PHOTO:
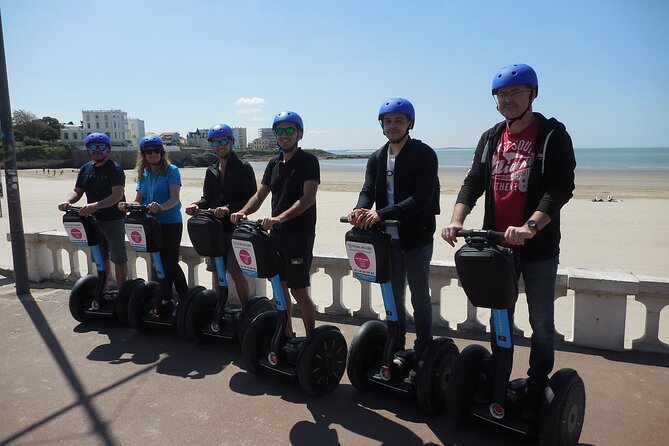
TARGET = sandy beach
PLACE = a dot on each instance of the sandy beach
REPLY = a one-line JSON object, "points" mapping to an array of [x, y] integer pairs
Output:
{"points": [[629, 234]]}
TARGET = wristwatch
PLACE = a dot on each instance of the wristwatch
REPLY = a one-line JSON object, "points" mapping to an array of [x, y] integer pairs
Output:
{"points": [[533, 225]]}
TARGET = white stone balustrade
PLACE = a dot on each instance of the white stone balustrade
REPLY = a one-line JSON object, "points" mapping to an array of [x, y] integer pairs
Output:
{"points": [[600, 309]]}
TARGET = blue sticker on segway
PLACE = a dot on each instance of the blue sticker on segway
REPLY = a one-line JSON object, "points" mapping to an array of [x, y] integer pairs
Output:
{"points": [[364, 277], [500, 320], [277, 291], [97, 257], [221, 271], [389, 301], [158, 265]]}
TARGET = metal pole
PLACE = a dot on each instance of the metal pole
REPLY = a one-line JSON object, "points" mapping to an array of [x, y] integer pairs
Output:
{"points": [[12, 180]]}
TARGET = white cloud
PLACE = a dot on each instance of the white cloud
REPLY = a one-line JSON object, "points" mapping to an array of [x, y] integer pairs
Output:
{"points": [[258, 119], [250, 101], [246, 111]]}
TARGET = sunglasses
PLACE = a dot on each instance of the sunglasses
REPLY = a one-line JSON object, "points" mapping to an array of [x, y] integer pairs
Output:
{"points": [[95, 148], [289, 131], [222, 143], [156, 151]]}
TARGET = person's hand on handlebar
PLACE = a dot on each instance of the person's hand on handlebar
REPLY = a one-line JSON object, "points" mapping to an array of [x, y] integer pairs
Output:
{"points": [[268, 223], [364, 218], [220, 211], [236, 217], [88, 210], [449, 232], [65, 205], [154, 207], [517, 235], [191, 208], [122, 206]]}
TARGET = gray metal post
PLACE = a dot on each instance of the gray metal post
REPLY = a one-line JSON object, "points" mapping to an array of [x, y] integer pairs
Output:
{"points": [[12, 179]]}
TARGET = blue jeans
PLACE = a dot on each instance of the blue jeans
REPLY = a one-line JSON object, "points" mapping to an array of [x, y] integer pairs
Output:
{"points": [[413, 266], [540, 278]]}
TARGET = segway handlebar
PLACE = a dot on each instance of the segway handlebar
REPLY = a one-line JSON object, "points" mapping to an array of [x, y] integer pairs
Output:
{"points": [[256, 223], [73, 208], [211, 212], [136, 208], [383, 223], [492, 236]]}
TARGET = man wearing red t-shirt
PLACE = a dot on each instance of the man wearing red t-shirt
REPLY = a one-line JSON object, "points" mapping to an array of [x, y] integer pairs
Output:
{"points": [[525, 166]]}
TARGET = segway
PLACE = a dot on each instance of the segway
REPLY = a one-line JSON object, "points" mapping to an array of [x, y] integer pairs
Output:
{"points": [[479, 386], [374, 360], [209, 315], [316, 361], [148, 307], [87, 298]]}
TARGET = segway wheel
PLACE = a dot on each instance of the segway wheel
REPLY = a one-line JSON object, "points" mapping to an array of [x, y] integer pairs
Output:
{"points": [[81, 297], [563, 420], [256, 344], [140, 304], [435, 374], [323, 361], [253, 308], [183, 304], [123, 298], [366, 352], [469, 372], [199, 314]]}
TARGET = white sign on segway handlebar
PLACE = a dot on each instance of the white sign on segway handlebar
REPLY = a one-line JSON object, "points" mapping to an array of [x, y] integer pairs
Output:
{"points": [[246, 257], [136, 236], [362, 258], [76, 233]]}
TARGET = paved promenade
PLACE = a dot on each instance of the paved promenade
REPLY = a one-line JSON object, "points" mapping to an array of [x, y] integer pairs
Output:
{"points": [[65, 383]]}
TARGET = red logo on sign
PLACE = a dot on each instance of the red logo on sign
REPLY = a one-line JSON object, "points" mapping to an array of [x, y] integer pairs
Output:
{"points": [[76, 233], [136, 237], [361, 260], [245, 257]]}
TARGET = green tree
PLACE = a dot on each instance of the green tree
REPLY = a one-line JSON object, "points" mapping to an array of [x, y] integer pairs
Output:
{"points": [[21, 119]]}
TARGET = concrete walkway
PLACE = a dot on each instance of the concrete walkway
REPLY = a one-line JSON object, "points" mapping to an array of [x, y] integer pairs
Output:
{"points": [[66, 383]]}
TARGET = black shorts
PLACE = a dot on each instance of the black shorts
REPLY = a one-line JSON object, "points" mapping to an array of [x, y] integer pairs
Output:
{"points": [[295, 257]]}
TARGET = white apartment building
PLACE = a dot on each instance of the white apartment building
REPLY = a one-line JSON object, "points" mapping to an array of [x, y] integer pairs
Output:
{"points": [[260, 144], [137, 132], [72, 134], [240, 137], [268, 134]]}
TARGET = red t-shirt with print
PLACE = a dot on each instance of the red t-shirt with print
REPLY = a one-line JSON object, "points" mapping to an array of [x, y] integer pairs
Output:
{"points": [[511, 166]]}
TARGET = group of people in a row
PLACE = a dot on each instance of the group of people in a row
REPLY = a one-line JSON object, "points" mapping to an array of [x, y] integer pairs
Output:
{"points": [[524, 165]]}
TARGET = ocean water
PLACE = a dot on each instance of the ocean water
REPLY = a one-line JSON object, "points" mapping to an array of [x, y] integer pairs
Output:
{"points": [[605, 159]]}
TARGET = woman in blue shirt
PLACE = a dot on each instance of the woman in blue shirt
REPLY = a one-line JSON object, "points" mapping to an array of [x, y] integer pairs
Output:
{"points": [[158, 187]]}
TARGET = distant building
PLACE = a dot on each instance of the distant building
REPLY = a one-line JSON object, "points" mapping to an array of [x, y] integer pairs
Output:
{"points": [[240, 137], [72, 134], [171, 139], [137, 132], [198, 138], [268, 134], [260, 144]]}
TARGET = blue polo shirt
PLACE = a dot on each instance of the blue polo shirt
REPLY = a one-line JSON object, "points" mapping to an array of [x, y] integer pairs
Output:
{"points": [[156, 187]]}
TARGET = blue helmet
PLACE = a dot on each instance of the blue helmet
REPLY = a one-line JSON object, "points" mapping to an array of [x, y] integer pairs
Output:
{"points": [[288, 116], [149, 141], [98, 138], [398, 105], [220, 131], [516, 74]]}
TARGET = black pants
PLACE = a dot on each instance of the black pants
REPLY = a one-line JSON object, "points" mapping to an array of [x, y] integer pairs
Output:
{"points": [[170, 241]]}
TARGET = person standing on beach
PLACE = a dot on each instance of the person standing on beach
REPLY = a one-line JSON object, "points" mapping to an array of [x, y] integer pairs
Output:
{"points": [[525, 166], [229, 183], [103, 182], [402, 180], [293, 178], [158, 188]]}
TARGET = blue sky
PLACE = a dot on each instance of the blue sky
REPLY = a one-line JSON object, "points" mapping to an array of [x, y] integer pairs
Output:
{"points": [[603, 66]]}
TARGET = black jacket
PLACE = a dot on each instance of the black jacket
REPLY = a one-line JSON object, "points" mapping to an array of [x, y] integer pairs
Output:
{"points": [[416, 191], [237, 187], [551, 183]]}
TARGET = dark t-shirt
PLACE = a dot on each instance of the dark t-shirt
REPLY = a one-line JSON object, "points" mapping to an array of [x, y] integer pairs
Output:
{"points": [[286, 181], [97, 183]]}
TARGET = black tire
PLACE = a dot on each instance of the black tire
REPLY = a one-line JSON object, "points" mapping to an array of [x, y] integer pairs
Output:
{"points": [[253, 308], [140, 303], [81, 297], [563, 420], [257, 341], [123, 299], [435, 374], [366, 352], [199, 314], [323, 361], [183, 304], [468, 372]]}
